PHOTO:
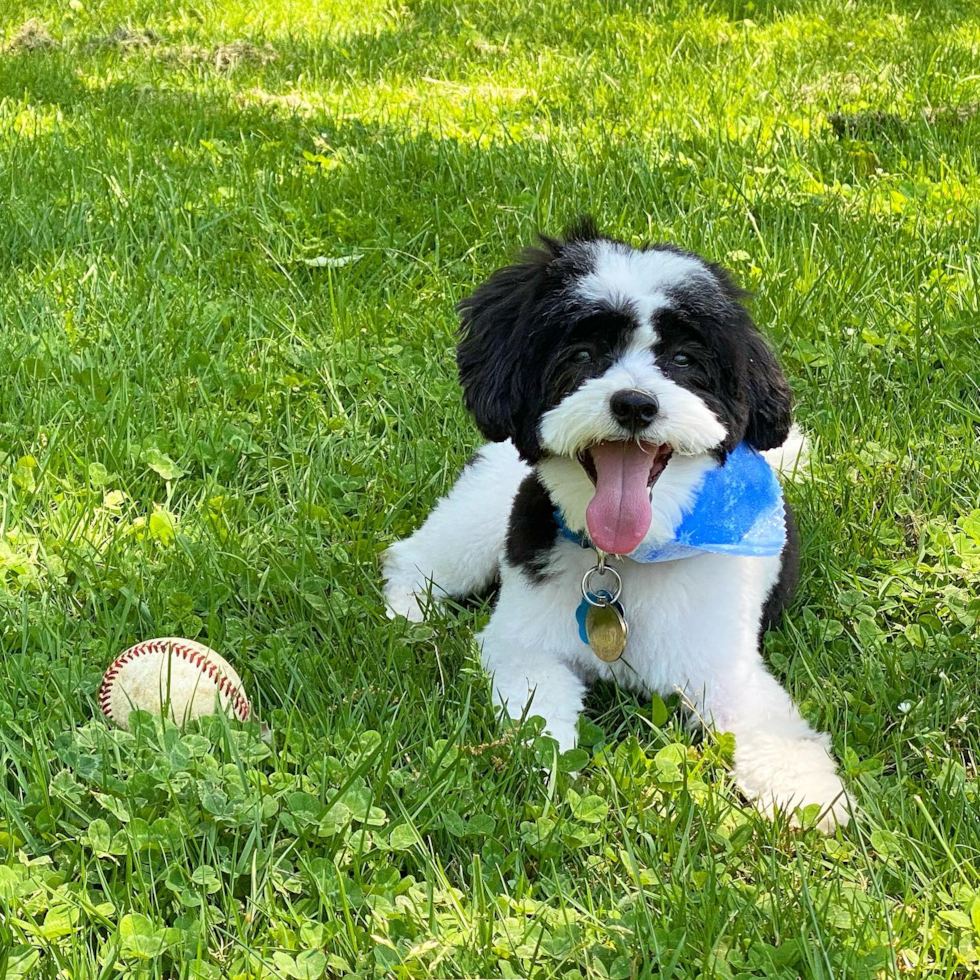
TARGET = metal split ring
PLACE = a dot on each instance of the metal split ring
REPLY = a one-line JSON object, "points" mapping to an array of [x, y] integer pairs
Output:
{"points": [[600, 569]]}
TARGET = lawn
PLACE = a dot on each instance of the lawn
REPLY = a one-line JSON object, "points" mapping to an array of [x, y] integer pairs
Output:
{"points": [[231, 238]]}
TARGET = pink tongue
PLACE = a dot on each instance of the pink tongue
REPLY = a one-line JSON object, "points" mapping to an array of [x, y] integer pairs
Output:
{"points": [[619, 514]]}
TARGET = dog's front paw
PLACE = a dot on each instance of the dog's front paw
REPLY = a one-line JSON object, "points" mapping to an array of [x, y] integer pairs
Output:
{"points": [[407, 593], [564, 732], [399, 602], [825, 791], [790, 775]]}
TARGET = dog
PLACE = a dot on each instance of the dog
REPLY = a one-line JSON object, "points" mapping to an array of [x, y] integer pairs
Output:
{"points": [[632, 409]]}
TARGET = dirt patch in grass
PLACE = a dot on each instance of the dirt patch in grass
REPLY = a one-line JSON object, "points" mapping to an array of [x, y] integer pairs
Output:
{"points": [[126, 39], [228, 56], [34, 36], [951, 115], [222, 57], [30, 36], [866, 125]]}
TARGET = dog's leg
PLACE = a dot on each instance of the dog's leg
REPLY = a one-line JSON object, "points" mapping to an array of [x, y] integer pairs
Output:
{"points": [[528, 683], [456, 552], [781, 763]]}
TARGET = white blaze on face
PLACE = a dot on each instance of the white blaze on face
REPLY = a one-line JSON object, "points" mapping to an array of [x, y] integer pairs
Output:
{"points": [[622, 278], [584, 417]]}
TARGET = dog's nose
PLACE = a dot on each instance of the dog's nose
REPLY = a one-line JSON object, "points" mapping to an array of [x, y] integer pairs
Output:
{"points": [[633, 409]]}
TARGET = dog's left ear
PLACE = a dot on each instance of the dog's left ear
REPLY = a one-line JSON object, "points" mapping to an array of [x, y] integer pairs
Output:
{"points": [[770, 400]]}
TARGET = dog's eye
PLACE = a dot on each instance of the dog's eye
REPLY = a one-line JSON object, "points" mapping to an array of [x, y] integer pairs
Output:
{"points": [[581, 356], [680, 359]]}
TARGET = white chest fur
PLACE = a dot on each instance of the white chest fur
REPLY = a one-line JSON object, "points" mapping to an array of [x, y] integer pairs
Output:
{"points": [[681, 615]]}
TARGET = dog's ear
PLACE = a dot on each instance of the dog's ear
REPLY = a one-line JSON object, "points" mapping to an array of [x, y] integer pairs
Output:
{"points": [[496, 345], [770, 400]]}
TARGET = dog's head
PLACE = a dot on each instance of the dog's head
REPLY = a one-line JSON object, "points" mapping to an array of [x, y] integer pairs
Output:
{"points": [[618, 357]]}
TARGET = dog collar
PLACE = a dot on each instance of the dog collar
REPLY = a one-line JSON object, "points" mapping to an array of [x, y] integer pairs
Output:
{"points": [[738, 510]]}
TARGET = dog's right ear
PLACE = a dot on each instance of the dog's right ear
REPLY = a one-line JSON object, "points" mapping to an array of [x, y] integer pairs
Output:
{"points": [[498, 328]]}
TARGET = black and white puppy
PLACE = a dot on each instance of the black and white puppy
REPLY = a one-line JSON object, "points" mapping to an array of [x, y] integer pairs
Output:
{"points": [[613, 380]]}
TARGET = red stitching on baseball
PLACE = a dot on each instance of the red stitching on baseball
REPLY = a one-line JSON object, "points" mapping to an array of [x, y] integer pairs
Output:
{"points": [[239, 703]]}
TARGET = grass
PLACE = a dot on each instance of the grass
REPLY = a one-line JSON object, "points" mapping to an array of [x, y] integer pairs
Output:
{"points": [[232, 237]]}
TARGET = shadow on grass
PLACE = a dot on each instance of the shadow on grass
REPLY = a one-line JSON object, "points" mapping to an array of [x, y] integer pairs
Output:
{"points": [[159, 130]]}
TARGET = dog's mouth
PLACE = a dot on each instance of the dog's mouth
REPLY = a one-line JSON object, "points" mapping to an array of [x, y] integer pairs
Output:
{"points": [[619, 514]]}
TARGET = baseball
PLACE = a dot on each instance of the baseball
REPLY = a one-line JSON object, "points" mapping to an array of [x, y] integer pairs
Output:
{"points": [[183, 677]]}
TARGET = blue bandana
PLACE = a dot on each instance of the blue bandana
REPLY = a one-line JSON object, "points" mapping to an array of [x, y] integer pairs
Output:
{"points": [[738, 511]]}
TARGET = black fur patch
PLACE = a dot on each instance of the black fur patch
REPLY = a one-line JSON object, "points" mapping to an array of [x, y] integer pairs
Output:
{"points": [[511, 329], [782, 592], [533, 530], [594, 341], [729, 366]]}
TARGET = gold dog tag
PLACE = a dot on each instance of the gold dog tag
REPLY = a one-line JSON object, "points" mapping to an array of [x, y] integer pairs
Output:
{"points": [[607, 629]]}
